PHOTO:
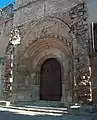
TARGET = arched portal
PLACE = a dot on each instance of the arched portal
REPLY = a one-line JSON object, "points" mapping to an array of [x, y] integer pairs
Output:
{"points": [[50, 80]]}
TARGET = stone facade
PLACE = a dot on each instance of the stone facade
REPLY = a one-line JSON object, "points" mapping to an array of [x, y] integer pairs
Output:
{"points": [[6, 24], [49, 29], [1, 77]]}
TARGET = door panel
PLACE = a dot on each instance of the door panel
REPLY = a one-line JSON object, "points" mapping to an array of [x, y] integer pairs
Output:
{"points": [[50, 80]]}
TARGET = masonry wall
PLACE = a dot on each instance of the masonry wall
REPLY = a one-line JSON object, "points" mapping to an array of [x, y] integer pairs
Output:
{"points": [[6, 25], [5, 29], [6, 22], [61, 20], [1, 77], [36, 9], [26, 11]]}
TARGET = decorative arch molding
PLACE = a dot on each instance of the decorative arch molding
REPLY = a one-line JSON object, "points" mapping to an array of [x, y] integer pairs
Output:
{"points": [[45, 48], [66, 81], [63, 63], [46, 26], [43, 59], [44, 19], [46, 43]]}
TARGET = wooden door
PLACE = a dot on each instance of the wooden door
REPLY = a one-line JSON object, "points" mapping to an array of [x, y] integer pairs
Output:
{"points": [[50, 80]]}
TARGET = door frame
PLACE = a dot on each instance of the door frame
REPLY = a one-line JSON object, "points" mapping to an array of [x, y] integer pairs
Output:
{"points": [[38, 69]]}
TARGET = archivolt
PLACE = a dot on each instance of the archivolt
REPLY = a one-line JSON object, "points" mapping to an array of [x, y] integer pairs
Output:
{"points": [[26, 40], [46, 43], [42, 20]]}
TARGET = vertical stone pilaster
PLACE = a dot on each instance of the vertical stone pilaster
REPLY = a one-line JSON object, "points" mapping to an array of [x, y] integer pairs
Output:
{"points": [[79, 32]]}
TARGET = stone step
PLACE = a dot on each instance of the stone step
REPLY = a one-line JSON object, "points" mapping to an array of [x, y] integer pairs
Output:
{"points": [[47, 103], [39, 103]]}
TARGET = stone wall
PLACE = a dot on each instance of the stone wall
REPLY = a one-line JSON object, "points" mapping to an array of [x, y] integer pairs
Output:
{"points": [[1, 77], [79, 28], [6, 24], [48, 26], [27, 11]]}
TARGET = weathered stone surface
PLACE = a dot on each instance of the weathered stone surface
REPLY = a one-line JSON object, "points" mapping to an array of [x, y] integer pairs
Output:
{"points": [[51, 29], [79, 28]]}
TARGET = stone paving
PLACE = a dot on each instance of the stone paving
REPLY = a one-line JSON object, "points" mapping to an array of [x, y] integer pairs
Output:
{"points": [[10, 114]]}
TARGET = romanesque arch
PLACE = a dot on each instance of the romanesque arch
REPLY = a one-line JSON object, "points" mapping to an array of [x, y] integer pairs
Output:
{"points": [[46, 26], [48, 38]]}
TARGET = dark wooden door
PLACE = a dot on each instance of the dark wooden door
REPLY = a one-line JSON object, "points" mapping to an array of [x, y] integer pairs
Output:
{"points": [[50, 80]]}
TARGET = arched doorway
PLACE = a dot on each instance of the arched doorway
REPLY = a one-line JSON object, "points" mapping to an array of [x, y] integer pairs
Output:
{"points": [[50, 80]]}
